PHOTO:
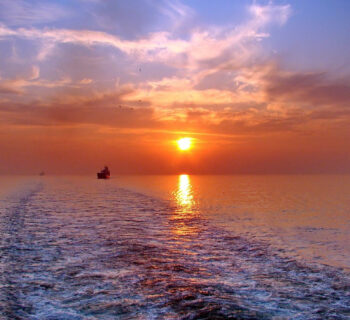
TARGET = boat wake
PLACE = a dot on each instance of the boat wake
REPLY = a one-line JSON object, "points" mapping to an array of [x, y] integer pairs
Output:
{"points": [[129, 256]]}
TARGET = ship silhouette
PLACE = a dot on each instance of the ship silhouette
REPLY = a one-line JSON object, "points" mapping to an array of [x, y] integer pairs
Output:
{"points": [[104, 173]]}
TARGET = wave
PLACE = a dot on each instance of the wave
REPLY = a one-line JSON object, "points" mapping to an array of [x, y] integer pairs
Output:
{"points": [[104, 253]]}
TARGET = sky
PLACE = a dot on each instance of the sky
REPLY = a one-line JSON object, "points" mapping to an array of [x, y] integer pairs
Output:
{"points": [[259, 86]]}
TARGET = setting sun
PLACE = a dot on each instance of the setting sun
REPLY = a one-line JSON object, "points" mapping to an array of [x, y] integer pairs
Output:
{"points": [[184, 143]]}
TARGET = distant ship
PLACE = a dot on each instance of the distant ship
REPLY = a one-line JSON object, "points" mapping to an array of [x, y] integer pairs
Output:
{"points": [[104, 173], [42, 173]]}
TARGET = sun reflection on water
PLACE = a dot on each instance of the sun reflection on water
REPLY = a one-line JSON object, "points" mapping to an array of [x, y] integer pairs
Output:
{"points": [[184, 215], [184, 195]]}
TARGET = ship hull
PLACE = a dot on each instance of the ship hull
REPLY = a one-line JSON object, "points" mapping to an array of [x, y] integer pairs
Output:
{"points": [[102, 175]]}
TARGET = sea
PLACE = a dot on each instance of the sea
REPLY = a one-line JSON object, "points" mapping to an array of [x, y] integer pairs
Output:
{"points": [[175, 247]]}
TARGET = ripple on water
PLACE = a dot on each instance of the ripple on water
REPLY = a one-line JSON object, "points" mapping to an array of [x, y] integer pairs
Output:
{"points": [[126, 255]]}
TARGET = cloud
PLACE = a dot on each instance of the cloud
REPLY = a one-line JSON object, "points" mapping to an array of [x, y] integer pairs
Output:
{"points": [[190, 60], [8, 88], [16, 85], [156, 72], [35, 73], [270, 13], [21, 82], [201, 46], [138, 18], [46, 48], [86, 81], [107, 109], [21, 12], [213, 70], [313, 88]]}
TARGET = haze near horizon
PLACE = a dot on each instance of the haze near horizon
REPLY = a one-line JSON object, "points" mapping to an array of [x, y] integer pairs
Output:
{"points": [[257, 86]]}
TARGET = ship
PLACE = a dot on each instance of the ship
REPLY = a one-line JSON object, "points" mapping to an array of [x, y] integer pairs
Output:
{"points": [[104, 173]]}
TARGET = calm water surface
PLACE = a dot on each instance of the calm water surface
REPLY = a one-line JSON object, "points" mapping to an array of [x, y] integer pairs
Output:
{"points": [[308, 215], [175, 247]]}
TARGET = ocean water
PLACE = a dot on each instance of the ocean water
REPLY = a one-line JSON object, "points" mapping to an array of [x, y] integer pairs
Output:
{"points": [[175, 247]]}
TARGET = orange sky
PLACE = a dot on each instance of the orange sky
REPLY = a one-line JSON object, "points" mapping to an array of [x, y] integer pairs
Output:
{"points": [[74, 97]]}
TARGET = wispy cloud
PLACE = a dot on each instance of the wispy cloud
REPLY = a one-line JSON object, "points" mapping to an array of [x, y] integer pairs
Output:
{"points": [[226, 52], [23, 12], [194, 59], [160, 46], [312, 88], [223, 51], [20, 83]]}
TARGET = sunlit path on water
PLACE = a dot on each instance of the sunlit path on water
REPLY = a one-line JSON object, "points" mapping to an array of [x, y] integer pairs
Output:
{"points": [[127, 255], [184, 193], [185, 211]]}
